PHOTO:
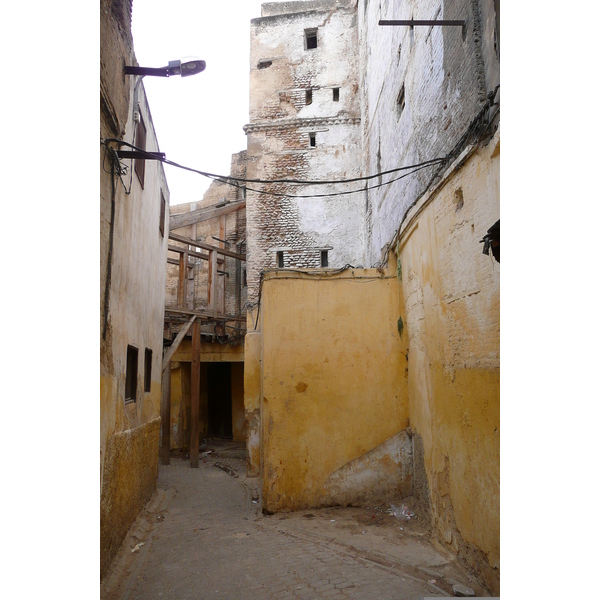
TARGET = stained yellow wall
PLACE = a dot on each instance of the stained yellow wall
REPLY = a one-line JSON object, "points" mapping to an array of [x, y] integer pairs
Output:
{"points": [[133, 256], [451, 312], [334, 385], [237, 402], [252, 397]]}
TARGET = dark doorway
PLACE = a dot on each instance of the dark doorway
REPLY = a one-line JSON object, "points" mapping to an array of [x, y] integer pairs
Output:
{"points": [[219, 400]]}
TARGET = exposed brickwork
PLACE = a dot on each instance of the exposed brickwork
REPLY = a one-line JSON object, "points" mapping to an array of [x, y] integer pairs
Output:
{"points": [[279, 139]]}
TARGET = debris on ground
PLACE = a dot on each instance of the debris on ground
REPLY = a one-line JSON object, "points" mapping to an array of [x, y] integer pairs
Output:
{"points": [[137, 547], [462, 590], [402, 513]]}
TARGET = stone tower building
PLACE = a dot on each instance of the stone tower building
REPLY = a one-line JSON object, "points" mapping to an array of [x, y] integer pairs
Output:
{"points": [[304, 124]]}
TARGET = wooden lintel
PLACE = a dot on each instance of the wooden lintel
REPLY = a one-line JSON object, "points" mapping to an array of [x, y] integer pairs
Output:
{"points": [[205, 315], [173, 347], [203, 214], [185, 240]]}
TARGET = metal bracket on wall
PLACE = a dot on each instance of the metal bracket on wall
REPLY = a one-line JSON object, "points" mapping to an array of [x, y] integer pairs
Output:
{"points": [[144, 155], [434, 23]]}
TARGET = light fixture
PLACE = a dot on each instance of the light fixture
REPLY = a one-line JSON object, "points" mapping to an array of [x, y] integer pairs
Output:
{"points": [[185, 67]]}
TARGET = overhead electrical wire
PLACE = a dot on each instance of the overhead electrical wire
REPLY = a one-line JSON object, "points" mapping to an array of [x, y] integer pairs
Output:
{"points": [[237, 181], [475, 129]]}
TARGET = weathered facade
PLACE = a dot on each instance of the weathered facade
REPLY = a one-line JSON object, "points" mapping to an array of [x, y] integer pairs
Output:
{"points": [[304, 124], [375, 384], [134, 205]]}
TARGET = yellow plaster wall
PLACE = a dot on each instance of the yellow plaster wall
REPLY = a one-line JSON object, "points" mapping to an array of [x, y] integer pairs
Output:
{"points": [[452, 320], [252, 395], [334, 382], [237, 402]]}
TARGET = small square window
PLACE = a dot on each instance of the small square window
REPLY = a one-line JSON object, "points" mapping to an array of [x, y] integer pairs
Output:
{"points": [[280, 259], [131, 374], [312, 138], [310, 39], [336, 94], [147, 370], [308, 97], [324, 258]]}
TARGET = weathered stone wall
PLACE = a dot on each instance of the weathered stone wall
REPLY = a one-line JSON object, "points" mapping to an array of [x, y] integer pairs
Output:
{"points": [[132, 281], [283, 119], [443, 78]]}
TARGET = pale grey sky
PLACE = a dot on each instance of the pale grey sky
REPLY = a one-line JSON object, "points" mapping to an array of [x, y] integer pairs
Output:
{"points": [[198, 119]]}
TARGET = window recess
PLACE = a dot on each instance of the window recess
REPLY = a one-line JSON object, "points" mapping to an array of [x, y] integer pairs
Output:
{"points": [[310, 39], [131, 374]]}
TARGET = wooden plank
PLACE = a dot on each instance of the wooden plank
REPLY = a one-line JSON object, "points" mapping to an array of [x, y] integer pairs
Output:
{"points": [[165, 416], [180, 250], [195, 396], [204, 314], [203, 214], [173, 347], [185, 240]]}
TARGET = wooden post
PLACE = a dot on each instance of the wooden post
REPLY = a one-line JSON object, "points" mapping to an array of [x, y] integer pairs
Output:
{"points": [[192, 269], [223, 236], [165, 416], [195, 396], [222, 283], [212, 282], [182, 287]]}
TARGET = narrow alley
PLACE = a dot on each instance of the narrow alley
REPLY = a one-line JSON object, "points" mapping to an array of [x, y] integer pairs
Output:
{"points": [[203, 536]]}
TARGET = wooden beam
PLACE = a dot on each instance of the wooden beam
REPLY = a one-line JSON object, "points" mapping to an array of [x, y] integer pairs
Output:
{"points": [[203, 214], [185, 240], [208, 316], [173, 347], [165, 416], [195, 396], [181, 250]]}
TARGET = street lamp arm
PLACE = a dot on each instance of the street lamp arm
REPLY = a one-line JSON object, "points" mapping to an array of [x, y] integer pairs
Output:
{"points": [[190, 66]]}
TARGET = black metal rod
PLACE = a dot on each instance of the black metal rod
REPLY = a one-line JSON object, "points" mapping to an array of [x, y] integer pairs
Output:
{"points": [[416, 23], [160, 72], [137, 154]]}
